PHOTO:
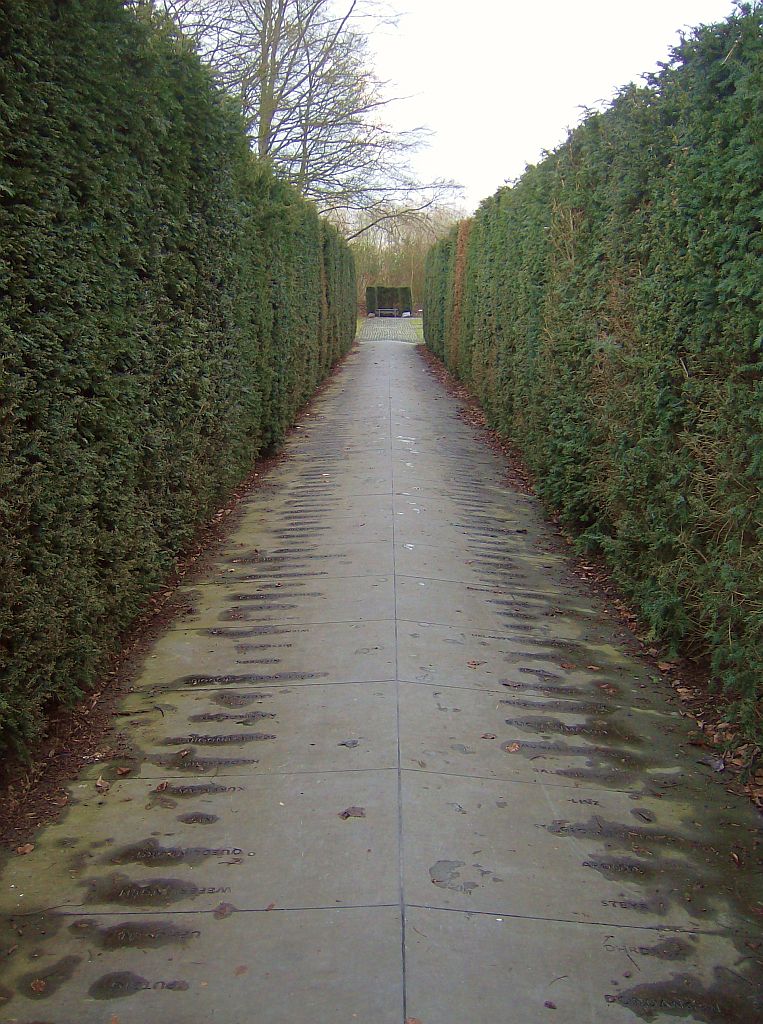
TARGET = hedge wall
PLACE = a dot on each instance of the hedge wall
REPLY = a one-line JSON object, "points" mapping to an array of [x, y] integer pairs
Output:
{"points": [[606, 310], [166, 308]]}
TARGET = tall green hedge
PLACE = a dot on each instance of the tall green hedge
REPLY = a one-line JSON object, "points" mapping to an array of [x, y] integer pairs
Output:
{"points": [[609, 319], [166, 307]]}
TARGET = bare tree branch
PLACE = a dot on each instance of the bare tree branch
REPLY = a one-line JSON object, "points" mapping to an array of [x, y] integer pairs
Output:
{"points": [[313, 106]]}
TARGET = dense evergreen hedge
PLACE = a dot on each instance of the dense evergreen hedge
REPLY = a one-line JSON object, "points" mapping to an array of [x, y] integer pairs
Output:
{"points": [[606, 310], [167, 306]]}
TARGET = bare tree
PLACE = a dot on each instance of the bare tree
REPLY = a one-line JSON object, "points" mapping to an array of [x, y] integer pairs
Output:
{"points": [[314, 107]]}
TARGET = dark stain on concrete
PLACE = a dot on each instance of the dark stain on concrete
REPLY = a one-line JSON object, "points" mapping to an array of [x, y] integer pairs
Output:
{"points": [[731, 998], [237, 700], [122, 890], [594, 728], [193, 789], [150, 851], [46, 981], [445, 874], [118, 985], [552, 691], [188, 762], [248, 678], [535, 750], [574, 707], [240, 718], [216, 739], [133, 934]]}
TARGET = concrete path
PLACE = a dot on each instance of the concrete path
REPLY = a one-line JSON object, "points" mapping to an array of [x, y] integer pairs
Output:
{"points": [[392, 766]]}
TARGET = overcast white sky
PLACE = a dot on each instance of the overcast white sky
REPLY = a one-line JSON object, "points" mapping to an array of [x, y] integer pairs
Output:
{"points": [[499, 82]]}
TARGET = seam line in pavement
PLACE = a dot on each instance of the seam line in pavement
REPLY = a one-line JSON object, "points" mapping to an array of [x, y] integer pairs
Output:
{"points": [[512, 782], [74, 911], [521, 694], [661, 928], [264, 774], [401, 866], [233, 581], [289, 623], [270, 625], [281, 624], [273, 683], [468, 627]]}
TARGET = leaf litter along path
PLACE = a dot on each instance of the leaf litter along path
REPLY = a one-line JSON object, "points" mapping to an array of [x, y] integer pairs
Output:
{"points": [[522, 828]]}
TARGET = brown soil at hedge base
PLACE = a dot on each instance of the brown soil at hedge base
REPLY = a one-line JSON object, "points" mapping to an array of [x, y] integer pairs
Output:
{"points": [[715, 737], [33, 790]]}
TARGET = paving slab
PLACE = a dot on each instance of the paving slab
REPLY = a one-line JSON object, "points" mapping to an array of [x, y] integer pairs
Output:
{"points": [[390, 763], [370, 528], [269, 730], [257, 656], [331, 600], [279, 840], [583, 855], [269, 967], [489, 967], [550, 666], [488, 735], [283, 560], [275, 505]]}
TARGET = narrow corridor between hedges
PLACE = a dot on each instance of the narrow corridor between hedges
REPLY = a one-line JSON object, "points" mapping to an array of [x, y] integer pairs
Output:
{"points": [[393, 764]]}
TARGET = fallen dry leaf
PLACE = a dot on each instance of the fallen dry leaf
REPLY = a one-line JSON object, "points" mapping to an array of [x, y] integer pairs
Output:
{"points": [[353, 812], [594, 668], [475, 664], [38, 985], [567, 664], [26, 848], [161, 787], [102, 785], [123, 771], [270, 906], [665, 666], [488, 736], [413, 1020], [224, 910], [512, 748], [241, 969]]}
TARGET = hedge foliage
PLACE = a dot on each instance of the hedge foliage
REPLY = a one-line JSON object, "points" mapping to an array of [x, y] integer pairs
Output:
{"points": [[606, 310], [167, 306], [384, 297]]}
